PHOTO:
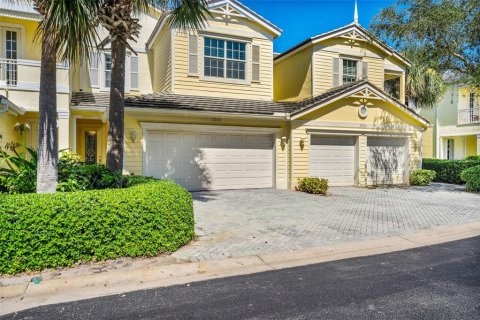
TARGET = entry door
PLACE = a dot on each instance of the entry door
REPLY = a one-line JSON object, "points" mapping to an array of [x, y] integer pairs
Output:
{"points": [[333, 158], [91, 144]]}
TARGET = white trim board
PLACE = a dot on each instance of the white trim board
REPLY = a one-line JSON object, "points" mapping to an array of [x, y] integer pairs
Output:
{"points": [[206, 128]]}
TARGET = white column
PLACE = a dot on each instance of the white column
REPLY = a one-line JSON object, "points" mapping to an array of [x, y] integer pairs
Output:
{"points": [[63, 129]]}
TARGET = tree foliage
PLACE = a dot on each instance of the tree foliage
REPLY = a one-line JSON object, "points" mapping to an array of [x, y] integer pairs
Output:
{"points": [[443, 34]]}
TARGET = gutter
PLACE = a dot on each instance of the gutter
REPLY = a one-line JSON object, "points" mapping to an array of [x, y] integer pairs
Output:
{"points": [[10, 106]]}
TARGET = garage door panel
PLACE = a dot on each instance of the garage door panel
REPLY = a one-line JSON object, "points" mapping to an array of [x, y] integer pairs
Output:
{"points": [[386, 161], [332, 158], [211, 161]]}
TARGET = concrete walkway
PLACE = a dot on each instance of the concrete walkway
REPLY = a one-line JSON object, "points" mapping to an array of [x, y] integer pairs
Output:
{"points": [[249, 222]]}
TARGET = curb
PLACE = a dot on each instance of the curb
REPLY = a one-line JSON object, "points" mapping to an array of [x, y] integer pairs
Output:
{"points": [[27, 295]]}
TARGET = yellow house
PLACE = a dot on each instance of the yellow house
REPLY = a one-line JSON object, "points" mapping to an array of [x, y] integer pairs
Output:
{"points": [[455, 134], [214, 109]]}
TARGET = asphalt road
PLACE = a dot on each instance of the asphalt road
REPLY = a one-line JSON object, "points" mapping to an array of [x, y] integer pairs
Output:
{"points": [[438, 282]]}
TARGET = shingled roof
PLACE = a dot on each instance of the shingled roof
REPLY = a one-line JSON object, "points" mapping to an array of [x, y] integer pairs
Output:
{"points": [[170, 101]]}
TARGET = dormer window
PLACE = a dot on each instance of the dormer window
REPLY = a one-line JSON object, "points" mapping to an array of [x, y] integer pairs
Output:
{"points": [[224, 59], [349, 71]]}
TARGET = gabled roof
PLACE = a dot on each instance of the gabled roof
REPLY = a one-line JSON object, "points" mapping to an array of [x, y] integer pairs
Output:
{"points": [[228, 8], [311, 104], [352, 27], [19, 9]]}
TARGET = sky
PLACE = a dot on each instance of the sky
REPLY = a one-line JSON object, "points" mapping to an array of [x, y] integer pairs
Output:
{"points": [[301, 19]]}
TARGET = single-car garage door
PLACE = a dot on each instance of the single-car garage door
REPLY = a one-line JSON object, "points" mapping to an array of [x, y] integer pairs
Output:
{"points": [[332, 158], [213, 161], [386, 159]]}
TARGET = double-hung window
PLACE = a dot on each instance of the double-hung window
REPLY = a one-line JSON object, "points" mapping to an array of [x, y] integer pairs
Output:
{"points": [[349, 71], [108, 69], [224, 59]]}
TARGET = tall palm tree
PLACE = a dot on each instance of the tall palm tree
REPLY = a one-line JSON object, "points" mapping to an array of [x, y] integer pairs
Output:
{"points": [[117, 17], [66, 32]]}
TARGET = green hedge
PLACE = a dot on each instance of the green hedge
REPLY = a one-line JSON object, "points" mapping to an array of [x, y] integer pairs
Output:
{"points": [[448, 171], [472, 178], [39, 231]]}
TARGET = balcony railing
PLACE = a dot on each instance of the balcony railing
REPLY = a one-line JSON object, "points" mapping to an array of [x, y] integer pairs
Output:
{"points": [[470, 115], [8, 72]]}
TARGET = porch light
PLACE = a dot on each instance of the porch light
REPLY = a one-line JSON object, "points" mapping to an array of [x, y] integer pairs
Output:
{"points": [[133, 136], [283, 142], [302, 143]]}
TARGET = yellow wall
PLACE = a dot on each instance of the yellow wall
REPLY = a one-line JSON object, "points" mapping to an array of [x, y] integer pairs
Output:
{"points": [[428, 143], [7, 133], [183, 83], [134, 150], [161, 61], [293, 77], [29, 47], [471, 142]]}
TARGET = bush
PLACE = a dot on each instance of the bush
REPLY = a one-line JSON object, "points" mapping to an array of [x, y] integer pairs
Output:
{"points": [[476, 158], [422, 177], [448, 171], [472, 177], [50, 230], [18, 169], [313, 185]]}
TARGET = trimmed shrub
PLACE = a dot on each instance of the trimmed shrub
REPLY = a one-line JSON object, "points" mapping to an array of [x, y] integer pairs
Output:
{"points": [[39, 231], [448, 171], [476, 158], [313, 185], [422, 177], [472, 177]]}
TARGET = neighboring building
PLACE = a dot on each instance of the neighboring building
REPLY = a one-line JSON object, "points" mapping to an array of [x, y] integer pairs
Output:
{"points": [[215, 110], [455, 133]]}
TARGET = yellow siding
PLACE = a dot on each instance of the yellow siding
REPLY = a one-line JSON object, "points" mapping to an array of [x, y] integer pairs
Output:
{"points": [[134, 150], [161, 62], [323, 73], [376, 72], [196, 85], [428, 144], [293, 76]]}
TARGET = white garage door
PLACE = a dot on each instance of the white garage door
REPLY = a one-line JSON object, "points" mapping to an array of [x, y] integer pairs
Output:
{"points": [[386, 161], [332, 158], [213, 161]]}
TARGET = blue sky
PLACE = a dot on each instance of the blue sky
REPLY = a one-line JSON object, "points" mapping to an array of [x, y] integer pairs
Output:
{"points": [[301, 19]]}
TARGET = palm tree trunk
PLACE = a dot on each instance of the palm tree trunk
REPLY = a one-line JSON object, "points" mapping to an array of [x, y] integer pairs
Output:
{"points": [[116, 108], [47, 174]]}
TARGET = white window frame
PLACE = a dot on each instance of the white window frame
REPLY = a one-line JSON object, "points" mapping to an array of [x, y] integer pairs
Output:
{"points": [[248, 60], [101, 71], [342, 75], [104, 70], [136, 73], [20, 29]]}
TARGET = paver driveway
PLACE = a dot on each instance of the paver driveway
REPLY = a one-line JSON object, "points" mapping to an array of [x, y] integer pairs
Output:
{"points": [[247, 222]]}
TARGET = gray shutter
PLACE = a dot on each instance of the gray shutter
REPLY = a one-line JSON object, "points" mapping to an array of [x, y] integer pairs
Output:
{"points": [[93, 66], [336, 72], [193, 54], [256, 63], [134, 72], [364, 70]]}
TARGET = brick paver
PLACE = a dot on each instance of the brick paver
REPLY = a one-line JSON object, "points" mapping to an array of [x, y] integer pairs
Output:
{"points": [[248, 222]]}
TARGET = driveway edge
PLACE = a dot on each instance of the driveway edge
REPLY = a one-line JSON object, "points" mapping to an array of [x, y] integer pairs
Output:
{"points": [[14, 298]]}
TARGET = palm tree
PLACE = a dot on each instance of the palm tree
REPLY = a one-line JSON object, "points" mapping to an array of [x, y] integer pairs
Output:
{"points": [[66, 32], [424, 86], [117, 17]]}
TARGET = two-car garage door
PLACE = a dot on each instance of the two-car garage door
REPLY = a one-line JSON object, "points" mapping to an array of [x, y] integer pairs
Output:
{"points": [[211, 160], [334, 158]]}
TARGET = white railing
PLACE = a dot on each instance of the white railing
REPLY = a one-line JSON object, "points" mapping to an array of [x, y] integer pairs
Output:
{"points": [[8, 72], [470, 115]]}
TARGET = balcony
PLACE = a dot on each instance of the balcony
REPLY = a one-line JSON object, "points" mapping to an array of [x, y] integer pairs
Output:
{"points": [[468, 116], [24, 75]]}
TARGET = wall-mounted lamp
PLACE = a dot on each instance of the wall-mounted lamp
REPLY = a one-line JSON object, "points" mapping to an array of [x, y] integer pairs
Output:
{"points": [[302, 143], [283, 142], [133, 136]]}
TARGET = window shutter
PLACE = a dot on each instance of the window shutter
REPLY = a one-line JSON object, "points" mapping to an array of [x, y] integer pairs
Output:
{"points": [[336, 72], [256, 63], [134, 72], [193, 54], [364, 70], [94, 63]]}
